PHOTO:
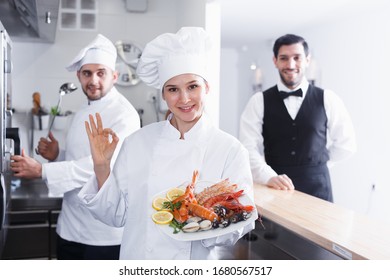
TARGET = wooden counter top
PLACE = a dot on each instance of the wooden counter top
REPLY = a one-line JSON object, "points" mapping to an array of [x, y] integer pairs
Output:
{"points": [[337, 229]]}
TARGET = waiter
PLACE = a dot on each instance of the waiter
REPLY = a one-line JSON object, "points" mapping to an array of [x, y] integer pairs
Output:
{"points": [[294, 128], [80, 235]]}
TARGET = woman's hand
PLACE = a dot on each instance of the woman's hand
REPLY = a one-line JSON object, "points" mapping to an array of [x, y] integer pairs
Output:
{"points": [[103, 142]]}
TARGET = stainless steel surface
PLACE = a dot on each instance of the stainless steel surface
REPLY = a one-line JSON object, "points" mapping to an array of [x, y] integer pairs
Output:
{"points": [[275, 243], [5, 80], [3, 209], [5, 122], [28, 235], [32, 221], [27, 20], [3, 205], [32, 195]]}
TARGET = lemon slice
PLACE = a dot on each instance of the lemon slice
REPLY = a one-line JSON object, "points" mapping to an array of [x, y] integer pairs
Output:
{"points": [[174, 193], [158, 203], [162, 217]]}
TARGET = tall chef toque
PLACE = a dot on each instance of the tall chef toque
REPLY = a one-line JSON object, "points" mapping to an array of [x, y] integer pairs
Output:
{"points": [[100, 51], [170, 55]]}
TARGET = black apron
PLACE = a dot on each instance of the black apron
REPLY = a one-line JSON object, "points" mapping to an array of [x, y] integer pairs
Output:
{"points": [[297, 147], [313, 180]]}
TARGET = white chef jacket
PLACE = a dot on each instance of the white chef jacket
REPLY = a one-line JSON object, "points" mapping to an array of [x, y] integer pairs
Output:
{"points": [[66, 177], [153, 160], [341, 141]]}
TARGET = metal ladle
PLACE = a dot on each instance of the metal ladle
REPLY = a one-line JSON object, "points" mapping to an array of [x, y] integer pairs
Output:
{"points": [[64, 89]]}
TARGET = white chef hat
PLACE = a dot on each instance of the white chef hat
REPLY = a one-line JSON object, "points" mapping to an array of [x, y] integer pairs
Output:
{"points": [[170, 55], [100, 51]]}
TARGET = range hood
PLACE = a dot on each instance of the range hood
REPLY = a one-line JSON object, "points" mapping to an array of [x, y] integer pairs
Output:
{"points": [[30, 20]]}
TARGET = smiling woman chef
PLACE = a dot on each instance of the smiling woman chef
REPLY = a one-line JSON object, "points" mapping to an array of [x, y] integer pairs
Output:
{"points": [[165, 154]]}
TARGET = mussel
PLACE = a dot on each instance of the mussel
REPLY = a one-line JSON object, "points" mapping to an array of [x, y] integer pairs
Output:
{"points": [[238, 217], [224, 223], [221, 211]]}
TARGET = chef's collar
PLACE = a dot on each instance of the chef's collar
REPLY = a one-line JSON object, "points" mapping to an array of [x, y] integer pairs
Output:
{"points": [[196, 132], [304, 85], [199, 129]]}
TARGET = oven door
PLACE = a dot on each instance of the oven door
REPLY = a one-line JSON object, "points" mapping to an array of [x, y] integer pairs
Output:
{"points": [[3, 212], [5, 150]]}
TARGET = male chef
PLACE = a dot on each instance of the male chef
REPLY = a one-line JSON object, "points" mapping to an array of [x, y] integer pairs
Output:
{"points": [[80, 235]]}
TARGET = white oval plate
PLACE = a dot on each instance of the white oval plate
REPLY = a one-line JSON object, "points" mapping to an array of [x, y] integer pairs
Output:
{"points": [[199, 235]]}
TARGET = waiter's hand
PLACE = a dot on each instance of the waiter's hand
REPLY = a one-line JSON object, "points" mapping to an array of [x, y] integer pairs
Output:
{"points": [[26, 167], [48, 148], [280, 182], [103, 142]]}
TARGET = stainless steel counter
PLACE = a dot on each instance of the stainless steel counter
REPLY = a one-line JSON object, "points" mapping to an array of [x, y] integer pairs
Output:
{"points": [[32, 221], [32, 195]]}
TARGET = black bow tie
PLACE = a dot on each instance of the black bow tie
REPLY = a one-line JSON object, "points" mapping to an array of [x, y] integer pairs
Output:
{"points": [[285, 94]]}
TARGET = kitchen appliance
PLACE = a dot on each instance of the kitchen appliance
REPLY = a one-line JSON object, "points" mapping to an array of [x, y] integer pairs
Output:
{"points": [[7, 133], [30, 20]]}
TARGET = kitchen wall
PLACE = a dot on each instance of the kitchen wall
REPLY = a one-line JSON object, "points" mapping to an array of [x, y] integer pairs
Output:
{"points": [[41, 67], [352, 56]]}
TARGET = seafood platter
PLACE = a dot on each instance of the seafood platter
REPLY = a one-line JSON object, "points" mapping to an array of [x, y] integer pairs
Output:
{"points": [[201, 209]]}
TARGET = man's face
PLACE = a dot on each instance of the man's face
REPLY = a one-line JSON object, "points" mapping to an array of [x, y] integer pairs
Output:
{"points": [[291, 64], [96, 80]]}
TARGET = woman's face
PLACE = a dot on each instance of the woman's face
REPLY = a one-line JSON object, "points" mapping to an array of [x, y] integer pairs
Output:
{"points": [[185, 96]]}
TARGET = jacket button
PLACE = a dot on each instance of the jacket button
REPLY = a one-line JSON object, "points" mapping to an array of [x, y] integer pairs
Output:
{"points": [[293, 153], [294, 138]]}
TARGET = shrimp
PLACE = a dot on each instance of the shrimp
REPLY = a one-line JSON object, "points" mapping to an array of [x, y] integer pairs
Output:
{"points": [[209, 203], [181, 214], [183, 211], [236, 206], [202, 212], [189, 193], [179, 218], [219, 188], [195, 176]]}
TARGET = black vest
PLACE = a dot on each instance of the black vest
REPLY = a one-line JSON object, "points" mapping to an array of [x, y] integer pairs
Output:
{"points": [[299, 142], [298, 147]]}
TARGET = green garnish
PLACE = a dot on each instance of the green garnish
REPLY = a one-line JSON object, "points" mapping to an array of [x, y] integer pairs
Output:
{"points": [[171, 206], [176, 226], [174, 206]]}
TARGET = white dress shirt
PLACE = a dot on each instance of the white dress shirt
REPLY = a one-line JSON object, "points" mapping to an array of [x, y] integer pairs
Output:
{"points": [[341, 141], [153, 160], [67, 175]]}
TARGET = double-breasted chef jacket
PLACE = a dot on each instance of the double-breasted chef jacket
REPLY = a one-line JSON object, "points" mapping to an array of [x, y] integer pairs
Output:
{"points": [[153, 160], [74, 166]]}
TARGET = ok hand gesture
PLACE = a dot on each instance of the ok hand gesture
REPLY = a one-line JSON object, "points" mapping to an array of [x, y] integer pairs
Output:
{"points": [[103, 142]]}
